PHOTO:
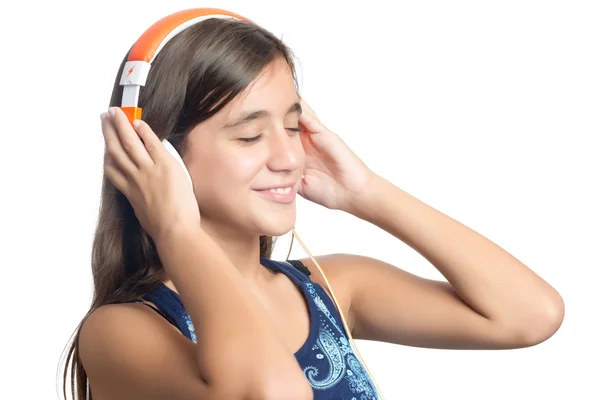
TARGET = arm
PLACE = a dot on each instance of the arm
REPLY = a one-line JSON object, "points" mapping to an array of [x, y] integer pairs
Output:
{"points": [[130, 352], [236, 338], [491, 299]]}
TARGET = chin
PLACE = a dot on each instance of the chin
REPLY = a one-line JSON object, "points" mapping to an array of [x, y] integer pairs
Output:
{"points": [[277, 224]]}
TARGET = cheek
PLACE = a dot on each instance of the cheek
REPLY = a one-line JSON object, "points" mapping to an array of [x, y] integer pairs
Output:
{"points": [[230, 173], [246, 168]]}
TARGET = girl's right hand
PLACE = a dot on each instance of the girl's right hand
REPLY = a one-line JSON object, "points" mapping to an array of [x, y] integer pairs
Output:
{"points": [[143, 170]]}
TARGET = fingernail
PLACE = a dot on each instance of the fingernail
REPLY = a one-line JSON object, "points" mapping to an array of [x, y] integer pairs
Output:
{"points": [[102, 116], [136, 123], [111, 111]]}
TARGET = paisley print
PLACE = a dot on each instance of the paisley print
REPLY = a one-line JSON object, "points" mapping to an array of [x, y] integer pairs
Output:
{"points": [[190, 326], [336, 363], [327, 358], [333, 360], [359, 380]]}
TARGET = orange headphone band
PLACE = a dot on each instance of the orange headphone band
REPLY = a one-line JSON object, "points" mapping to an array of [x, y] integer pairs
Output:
{"points": [[135, 73], [147, 47]]}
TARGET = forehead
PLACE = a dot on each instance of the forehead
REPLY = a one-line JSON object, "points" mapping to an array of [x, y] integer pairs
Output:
{"points": [[274, 90]]}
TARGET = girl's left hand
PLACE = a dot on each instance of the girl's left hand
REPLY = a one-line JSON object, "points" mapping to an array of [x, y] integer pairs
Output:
{"points": [[333, 175]]}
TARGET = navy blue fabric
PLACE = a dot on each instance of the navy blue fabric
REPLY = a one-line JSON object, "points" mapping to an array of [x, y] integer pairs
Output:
{"points": [[327, 359], [170, 304]]}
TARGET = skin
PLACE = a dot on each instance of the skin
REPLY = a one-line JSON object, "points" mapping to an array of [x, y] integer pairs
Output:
{"points": [[226, 170], [490, 299]]}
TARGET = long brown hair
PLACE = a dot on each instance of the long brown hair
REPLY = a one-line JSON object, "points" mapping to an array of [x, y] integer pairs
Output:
{"points": [[194, 76]]}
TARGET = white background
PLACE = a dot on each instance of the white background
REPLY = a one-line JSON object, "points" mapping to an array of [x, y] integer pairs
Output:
{"points": [[487, 111]]}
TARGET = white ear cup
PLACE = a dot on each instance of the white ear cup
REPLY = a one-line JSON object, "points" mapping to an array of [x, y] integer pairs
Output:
{"points": [[175, 154]]}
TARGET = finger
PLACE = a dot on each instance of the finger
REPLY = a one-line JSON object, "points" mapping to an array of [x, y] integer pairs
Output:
{"points": [[306, 109], [115, 149], [311, 124], [152, 143], [130, 140], [114, 174], [317, 134], [308, 143]]}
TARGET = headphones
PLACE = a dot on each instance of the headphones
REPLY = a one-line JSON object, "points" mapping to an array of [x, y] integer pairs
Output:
{"points": [[144, 51], [135, 73]]}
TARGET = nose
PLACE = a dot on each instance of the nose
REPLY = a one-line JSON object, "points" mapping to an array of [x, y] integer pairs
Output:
{"points": [[286, 152]]}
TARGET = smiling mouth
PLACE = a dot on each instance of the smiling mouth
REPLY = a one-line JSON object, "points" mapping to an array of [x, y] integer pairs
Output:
{"points": [[279, 195], [279, 190]]}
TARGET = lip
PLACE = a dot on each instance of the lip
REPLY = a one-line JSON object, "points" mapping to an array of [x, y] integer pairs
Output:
{"points": [[283, 198], [283, 185]]}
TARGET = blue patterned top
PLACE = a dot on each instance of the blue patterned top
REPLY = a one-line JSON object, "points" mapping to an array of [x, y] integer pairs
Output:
{"points": [[327, 358]]}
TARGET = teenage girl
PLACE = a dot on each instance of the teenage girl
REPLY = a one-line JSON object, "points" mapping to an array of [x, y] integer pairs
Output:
{"points": [[187, 302]]}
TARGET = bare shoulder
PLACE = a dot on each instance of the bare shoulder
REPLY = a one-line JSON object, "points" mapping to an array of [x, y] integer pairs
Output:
{"points": [[388, 304], [333, 266], [129, 351]]}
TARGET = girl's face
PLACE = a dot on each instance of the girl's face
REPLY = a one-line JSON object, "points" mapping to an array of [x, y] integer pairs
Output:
{"points": [[229, 163]]}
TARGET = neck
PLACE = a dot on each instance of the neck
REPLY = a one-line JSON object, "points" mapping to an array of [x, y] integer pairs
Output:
{"points": [[243, 250]]}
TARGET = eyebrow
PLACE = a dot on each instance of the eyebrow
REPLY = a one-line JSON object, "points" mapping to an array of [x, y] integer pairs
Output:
{"points": [[295, 108]]}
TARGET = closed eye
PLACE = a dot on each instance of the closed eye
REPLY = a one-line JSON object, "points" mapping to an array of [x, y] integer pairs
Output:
{"points": [[252, 139], [255, 138]]}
